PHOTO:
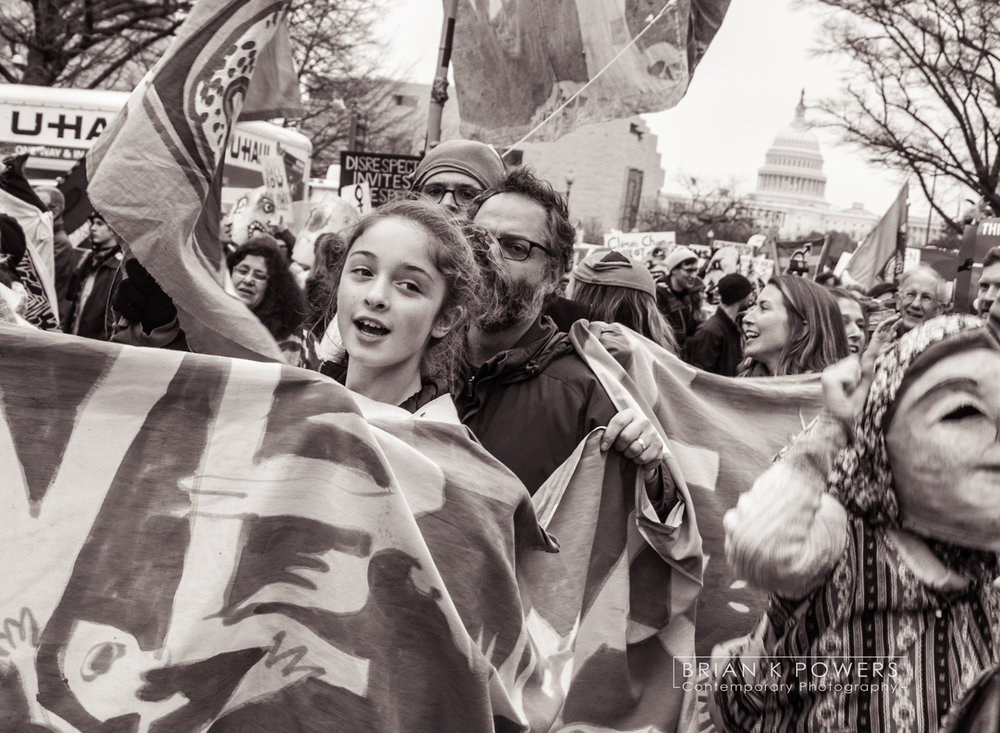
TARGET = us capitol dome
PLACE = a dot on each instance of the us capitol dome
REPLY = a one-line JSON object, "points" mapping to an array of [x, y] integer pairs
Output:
{"points": [[790, 197]]}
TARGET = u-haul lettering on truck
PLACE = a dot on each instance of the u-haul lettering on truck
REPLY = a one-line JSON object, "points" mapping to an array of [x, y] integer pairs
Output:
{"points": [[41, 126]]}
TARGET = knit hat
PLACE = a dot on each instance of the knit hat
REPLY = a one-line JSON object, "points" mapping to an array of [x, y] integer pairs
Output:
{"points": [[677, 256], [468, 157], [733, 288], [614, 268]]}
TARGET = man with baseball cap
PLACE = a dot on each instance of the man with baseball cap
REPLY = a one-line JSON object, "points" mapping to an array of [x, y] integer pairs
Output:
{"points": [[456, 171], [677, 297], [717, 345]]}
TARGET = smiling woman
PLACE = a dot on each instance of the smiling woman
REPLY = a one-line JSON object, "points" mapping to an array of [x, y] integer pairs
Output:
{"points": [[795, 328]]}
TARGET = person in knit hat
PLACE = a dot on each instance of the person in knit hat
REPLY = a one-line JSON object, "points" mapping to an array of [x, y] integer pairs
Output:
{"points": [[679, 295], [615, 289], [717, 345], [456, 171]]}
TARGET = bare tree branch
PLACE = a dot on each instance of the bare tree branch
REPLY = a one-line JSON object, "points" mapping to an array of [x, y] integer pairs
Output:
{"points": [[929, 102]]}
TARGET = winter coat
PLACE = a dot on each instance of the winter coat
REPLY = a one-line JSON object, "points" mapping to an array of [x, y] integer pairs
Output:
{"points": [[96, 279], [530, 406]]}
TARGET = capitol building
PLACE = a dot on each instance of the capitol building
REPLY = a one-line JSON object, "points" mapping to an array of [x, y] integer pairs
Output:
{"points": [[789, 201]]}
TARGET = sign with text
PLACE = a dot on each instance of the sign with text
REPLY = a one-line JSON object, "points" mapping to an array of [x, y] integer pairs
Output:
{"points": [[639, 245], [386, 175], [276, 183]]}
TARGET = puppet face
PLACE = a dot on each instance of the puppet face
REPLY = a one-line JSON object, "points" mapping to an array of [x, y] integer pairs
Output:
{"points": [[943, 450], [254, 212]]}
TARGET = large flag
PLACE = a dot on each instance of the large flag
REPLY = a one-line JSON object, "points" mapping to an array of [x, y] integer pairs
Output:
{"points": [[870, 260], [156, 172], [722, 433], [517, 61], [194, 541]]}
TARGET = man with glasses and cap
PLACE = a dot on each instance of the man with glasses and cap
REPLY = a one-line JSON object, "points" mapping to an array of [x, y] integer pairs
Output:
{"points": [[456, 171], [531, 398]]}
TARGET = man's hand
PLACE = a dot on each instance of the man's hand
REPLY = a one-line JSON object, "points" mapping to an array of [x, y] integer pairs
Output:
{"points": [[635, 437]]}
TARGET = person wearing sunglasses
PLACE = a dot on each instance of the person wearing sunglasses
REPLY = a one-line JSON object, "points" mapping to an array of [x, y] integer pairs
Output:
{"points": [[456, 171]]}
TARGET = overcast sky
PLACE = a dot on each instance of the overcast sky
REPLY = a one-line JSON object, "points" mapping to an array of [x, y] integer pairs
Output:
{"points": [[744, 92]]}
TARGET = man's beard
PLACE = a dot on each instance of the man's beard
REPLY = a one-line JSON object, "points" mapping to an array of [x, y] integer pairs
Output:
{"points": [[508, 302]]}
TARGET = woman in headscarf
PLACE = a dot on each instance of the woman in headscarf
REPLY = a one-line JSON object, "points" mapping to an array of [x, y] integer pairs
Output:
{"points": [[877, 537]]}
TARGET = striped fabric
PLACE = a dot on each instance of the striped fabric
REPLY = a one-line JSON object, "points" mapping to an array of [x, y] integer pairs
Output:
{"points": [[722, 433], [882, 652], [196, 542]]}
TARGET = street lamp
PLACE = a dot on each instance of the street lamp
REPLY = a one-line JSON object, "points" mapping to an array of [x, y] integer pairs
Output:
{"points": [[569, 186]]}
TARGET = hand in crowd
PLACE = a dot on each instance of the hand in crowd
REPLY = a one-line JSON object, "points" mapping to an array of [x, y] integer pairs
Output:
{"points": [[884, 336], [845, 386], [634, 436]]}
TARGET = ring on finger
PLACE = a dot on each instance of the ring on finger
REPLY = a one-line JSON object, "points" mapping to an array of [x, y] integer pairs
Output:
{"points": [[642, 444]]}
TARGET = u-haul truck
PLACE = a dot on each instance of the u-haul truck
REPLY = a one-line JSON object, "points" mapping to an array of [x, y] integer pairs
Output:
{"points": [[57, 126]]}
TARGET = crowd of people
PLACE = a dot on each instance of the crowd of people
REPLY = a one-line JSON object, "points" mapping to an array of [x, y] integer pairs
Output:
{"points": [[875, 530]]}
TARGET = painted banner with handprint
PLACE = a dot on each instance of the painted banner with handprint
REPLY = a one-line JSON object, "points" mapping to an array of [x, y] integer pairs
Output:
{"points": [[517, 61], [155, 173]]}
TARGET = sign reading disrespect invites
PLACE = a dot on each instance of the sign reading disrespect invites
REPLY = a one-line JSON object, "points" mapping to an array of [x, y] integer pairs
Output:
{"points": [[387, 175]]}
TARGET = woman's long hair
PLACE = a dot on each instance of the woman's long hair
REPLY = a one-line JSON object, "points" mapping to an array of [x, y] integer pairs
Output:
{"points": [[629, 307], [816, 336], [283, 308], [453, 256]]}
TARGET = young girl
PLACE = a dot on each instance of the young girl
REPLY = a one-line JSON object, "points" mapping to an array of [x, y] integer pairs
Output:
{"points": [[408, 285]]}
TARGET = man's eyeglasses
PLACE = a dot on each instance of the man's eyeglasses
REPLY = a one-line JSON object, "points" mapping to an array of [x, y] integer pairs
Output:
{"points": [[517, 248], [463, 195], [925, 299]]}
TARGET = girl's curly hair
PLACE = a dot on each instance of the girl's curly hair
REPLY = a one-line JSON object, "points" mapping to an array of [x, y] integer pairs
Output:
{"points": [[454, 257]]}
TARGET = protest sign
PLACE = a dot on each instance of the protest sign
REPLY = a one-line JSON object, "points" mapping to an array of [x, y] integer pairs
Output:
{"points": [[386, 175], [639, 245]]}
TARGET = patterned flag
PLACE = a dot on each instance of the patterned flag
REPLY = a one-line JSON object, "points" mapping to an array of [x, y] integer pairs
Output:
{"points": [[194, 541], [155, 172], [722, 433], [869, 262], [516, 61]]}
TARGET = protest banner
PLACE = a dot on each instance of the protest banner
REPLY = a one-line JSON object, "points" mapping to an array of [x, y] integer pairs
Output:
{"points": [[582, 61], [386, 175], [252, 547]]}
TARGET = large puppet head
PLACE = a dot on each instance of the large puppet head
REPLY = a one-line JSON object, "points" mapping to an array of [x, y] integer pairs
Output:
{"points": [[255, 212], [925, 454]]}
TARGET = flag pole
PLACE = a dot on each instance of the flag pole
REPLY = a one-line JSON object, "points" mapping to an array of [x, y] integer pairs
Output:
{"points": [[901, 243], [439, 90]]}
